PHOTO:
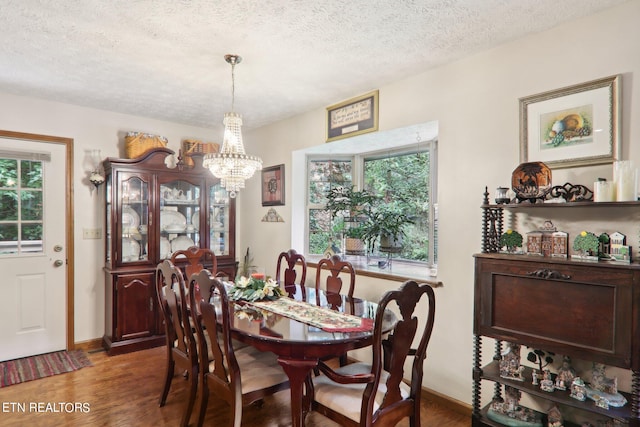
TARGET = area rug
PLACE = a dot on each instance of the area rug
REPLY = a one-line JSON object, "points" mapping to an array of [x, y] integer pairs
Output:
{"points": [[41, 366]]}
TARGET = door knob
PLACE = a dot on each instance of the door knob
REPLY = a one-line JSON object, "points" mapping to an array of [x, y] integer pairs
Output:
{"points": [[58, 263], [57, 248]]}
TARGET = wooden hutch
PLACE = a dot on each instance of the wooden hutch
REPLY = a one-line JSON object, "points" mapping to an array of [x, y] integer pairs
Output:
{"points": [[151, 211]]}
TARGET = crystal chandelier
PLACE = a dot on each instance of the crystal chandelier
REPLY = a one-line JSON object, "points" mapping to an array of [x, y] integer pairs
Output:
{"points": [[231, 164]]}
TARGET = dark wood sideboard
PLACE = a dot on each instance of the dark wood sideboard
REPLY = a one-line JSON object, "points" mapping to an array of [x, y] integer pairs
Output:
{"points": [[583, 309]]}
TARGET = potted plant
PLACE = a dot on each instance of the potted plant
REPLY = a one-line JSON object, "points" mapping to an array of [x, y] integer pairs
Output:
{"points": [[354, 203], [386, 222], [353, 242], [349, 210]]}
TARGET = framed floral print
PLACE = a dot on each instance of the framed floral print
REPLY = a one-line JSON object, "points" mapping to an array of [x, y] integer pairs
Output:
{"points": [[273, 186], [572, 126]]}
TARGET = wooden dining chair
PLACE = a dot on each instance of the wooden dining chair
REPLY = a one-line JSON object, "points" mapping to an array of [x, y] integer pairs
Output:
{"points": [[333, 282], [292, 262], [237, 376], [193, 260], [332, 285], [181, 346], [383, 399]]}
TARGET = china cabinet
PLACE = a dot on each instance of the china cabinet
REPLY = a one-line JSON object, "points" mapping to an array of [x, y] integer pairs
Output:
{"points": [[152, 211], [588, 310]]}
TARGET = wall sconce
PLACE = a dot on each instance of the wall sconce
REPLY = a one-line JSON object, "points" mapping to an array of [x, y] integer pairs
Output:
{"points": [[93, 160]]}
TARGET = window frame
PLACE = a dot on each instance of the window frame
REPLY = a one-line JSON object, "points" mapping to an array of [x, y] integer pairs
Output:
{"points": [[357, 175]]}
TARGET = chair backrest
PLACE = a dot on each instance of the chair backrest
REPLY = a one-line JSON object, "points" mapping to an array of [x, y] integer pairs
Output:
{"points": [[172, 296], [394, 351], [333, 283], [214, 320], [161, 282], [196, 258], [292, 259]]}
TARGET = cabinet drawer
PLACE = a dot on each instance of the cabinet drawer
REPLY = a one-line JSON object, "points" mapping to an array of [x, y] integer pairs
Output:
{"points": [[576, 309]]}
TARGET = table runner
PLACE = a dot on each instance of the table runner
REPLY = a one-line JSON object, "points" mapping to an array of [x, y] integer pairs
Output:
{"points": [[323, 318]]}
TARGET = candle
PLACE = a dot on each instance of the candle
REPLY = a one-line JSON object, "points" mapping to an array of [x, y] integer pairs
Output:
{"points": [[258, 276], [604, 191], [626, 180]]}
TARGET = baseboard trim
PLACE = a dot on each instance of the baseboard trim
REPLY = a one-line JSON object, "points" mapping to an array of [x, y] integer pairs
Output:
{"points": [[446, 401], [89, 346]]}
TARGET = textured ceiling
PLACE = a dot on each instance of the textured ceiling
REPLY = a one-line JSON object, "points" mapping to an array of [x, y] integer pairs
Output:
{"points": [[164, 58]]}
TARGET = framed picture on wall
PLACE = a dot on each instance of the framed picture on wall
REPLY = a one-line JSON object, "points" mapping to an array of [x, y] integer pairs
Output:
{"points": [[353, 117], [572, 126], [273, 185]]}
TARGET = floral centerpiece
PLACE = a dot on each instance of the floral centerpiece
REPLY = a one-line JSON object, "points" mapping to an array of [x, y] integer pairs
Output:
{"points": [[255, 288]]}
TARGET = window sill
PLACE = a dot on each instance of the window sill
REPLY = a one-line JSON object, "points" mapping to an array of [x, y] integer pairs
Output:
{"points": [[398, 271]]}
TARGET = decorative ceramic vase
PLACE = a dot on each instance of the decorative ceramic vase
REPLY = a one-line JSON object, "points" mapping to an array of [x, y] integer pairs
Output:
{"points": [[531, 181]]}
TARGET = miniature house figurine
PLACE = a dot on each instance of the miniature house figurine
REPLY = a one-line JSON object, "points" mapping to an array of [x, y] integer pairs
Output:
{"points": [[554, 417], [508, 410], [566, 374], [559, 244], [600, 382], [510, 367], [602, 390], [618, 249], [578, 389], [548, 241], [586, 246], [547, 383]]}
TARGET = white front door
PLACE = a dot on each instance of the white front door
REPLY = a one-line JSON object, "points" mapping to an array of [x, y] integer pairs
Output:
{"points": [[33, 252]]}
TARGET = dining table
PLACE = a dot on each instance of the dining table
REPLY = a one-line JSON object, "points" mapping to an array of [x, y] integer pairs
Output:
{"points": [[301, 343]]}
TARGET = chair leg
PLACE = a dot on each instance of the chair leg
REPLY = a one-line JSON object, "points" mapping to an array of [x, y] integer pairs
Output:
{"points": [[167, 381], [414, 420], [204, 400], [236, 411], [193, 388]]}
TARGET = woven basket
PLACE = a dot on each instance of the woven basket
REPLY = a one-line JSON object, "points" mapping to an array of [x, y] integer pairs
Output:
{"points": [[194, 146], [137, 143]]}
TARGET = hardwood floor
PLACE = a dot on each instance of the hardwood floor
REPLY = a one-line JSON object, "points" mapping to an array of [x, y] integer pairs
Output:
{"points": [[124, 390]]}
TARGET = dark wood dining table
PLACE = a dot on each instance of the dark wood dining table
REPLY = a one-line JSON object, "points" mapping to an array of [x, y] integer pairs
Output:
{"points": [[299, 346]]}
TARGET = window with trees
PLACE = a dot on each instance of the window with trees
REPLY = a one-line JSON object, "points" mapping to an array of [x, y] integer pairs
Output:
{"points": [[402, 183], [21, 210]]}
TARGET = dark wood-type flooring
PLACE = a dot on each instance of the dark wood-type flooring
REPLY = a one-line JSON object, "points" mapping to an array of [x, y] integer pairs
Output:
{"points": [[123, 391]]}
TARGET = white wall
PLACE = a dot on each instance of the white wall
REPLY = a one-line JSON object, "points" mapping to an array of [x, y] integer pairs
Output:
{"points": [[476, 104], [89, 129]]}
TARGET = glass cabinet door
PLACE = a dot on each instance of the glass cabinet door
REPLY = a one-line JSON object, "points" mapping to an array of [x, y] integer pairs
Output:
{"points": [[179, 217], [219, 220], [134, 219], [108, 224]]}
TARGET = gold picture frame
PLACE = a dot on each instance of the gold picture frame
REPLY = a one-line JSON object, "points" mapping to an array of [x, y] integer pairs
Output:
{"points": [[572, 126], [353, 117]]}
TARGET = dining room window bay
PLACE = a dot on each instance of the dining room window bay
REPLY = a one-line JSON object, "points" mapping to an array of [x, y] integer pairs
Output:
{"points": [[403, 179]]}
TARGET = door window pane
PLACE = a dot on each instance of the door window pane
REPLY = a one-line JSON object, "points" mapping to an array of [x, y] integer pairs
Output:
{"points": [[21, 206], [31, 174], [31, 205], [8, 205]]}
